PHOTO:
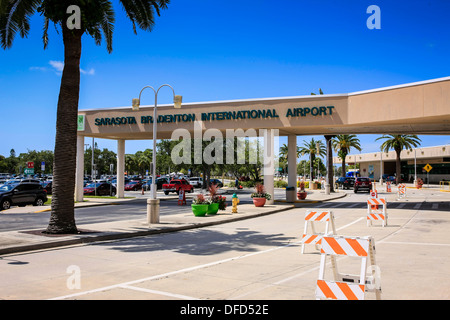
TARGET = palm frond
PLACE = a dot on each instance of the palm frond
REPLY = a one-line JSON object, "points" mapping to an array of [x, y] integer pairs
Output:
{"points": [[142, 12], [15, 17]]}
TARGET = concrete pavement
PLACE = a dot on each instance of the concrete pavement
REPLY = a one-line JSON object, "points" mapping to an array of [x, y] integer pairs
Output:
{"points": [[28, 240]]}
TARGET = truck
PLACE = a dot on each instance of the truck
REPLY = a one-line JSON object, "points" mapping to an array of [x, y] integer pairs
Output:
{"points": [[175, 185]]}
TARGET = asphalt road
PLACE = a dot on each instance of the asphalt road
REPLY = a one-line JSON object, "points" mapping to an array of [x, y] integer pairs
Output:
{"points": [[133, 209], [254, 259]]}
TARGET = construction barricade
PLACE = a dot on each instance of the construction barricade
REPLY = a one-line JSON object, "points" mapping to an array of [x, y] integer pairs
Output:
{"points": [[346, 286], [312, 217], [388, 186], [401, 191], [181, 197], [374, 213]]}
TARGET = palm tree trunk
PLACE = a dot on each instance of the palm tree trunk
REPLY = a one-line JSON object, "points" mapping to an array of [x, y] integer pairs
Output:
{"points": [[343, 165], [62, 219], [329, 162], [398, 167]]}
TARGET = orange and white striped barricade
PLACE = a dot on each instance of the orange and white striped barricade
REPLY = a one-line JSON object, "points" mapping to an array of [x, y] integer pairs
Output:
{"points": [[388, 186], [346, 286], [181, 197], [312, 217], [373, 211], [401, 191]]}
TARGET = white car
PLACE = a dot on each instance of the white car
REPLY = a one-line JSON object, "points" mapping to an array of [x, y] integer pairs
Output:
{"points": [[197, 182]]}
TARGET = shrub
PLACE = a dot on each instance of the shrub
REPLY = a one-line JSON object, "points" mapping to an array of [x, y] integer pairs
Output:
{"points": [[280, 184]]}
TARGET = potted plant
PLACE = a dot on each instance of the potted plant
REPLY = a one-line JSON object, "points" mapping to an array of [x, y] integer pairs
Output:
{"points": [[214, 199], [200, 205], [301, 193], [260, 195], [419, 183]]}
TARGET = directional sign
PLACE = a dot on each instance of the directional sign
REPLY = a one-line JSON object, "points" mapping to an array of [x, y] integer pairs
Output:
{"points": [[427, 168], [29, 171]]}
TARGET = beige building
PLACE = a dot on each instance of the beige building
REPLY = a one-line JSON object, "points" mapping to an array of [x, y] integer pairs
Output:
{"points": [[415, 108], [413, 163]]}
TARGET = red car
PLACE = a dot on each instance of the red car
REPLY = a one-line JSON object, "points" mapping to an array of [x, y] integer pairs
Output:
{"points": [[176, 185], [133, 186], [362, 183]]}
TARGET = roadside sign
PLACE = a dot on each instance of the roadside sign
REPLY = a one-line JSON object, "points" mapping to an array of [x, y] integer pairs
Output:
{"points": [[43, 166], [427, 168], [29, 171], [81, 123], [30, 165]]}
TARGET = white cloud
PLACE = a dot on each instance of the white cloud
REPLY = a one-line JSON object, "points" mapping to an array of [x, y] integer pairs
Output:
{"points": [[91, 72], [58, 67]]}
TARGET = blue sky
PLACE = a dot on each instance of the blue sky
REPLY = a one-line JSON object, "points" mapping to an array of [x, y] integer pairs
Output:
{"points": [[224, 50]]}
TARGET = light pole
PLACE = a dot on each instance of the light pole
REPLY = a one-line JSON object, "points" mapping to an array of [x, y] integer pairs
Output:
{"points": [[153, 203]]}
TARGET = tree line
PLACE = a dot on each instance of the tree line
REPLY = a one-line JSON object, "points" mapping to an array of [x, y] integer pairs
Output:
{"points": [[139, 163]]}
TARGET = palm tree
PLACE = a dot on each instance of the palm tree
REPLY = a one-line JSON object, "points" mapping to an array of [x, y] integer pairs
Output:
{"points": [[97, 17], [313, 148], [398, 142], [342, 143]]}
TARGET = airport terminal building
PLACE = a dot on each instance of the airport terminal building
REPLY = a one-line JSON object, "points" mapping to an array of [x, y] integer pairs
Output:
{"points": [[413, 164], [414, 108]]}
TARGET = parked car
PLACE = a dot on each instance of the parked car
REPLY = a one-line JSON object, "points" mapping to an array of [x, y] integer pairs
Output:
{"points": [[47, 185], [197, 182], [216, 182], [175, 186], [100, 189], [345, 182], [114, 181], [133, 185], [389, 178], [362, 183], [22, 194], [159, 183]]}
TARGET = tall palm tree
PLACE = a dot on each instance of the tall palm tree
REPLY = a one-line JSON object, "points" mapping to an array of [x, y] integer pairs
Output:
{"points": [[398, 142], [313, 148], [97, 17], [342, 144]]}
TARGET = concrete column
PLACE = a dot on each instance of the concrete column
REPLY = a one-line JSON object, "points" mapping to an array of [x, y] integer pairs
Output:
{"points": [[152, 211], [120, 168], [269, 163], [292, 164], [79, 180]]}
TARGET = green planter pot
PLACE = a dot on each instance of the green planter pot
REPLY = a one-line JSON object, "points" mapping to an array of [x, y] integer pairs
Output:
{"points": [[213, 208], [199, 209]]}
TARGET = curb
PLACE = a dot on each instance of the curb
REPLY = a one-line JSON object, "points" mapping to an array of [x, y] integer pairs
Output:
{"points": [[108, 236]]}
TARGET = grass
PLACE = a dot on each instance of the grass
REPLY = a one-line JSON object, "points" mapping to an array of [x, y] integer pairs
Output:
{"points": [[49, 201]]}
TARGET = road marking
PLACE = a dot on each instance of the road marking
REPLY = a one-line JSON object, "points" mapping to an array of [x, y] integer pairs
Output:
{"points": [[189, 269], [417, 206], [416, 243], [435, 206], [163, 293], [401, 205]]}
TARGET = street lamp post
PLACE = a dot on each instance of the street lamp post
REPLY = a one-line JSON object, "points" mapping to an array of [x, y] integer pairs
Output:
{"points": [[153, 202]]}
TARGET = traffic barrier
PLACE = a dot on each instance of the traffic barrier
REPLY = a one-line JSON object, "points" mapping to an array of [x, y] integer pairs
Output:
{"points": [[312, 217], [388, 186], [401, 191], [181, 197], [373, 211], [374, 194], [346, 286], [444, 186]]}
